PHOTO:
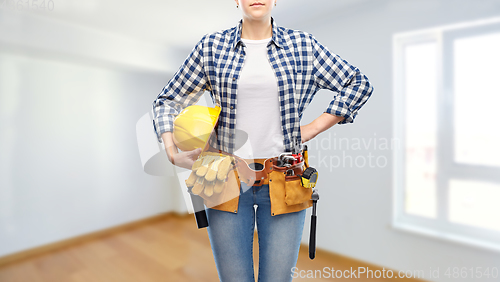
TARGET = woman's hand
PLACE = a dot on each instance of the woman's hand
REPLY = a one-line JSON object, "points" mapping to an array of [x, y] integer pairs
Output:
{"points": [[183, 159], [322, 123]]}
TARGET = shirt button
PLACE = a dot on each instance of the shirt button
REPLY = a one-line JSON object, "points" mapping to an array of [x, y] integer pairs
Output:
{"points": [[232, 107], [234, 78]]}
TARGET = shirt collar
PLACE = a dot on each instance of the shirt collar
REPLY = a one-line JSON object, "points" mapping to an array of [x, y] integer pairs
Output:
{"points": [[277, 37]]}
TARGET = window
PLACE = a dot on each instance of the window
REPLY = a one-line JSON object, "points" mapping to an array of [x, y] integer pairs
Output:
{"points": [[447, 116]]}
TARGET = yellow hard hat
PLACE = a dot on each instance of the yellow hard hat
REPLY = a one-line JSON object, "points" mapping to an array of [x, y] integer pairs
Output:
{"points": [[194, 125]]}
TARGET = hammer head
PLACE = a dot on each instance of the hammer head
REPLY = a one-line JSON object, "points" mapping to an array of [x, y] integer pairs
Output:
{"points": [[315, 195]]}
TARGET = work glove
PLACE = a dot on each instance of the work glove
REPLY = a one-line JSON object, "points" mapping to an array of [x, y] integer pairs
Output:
{"points": [[209, 173]]}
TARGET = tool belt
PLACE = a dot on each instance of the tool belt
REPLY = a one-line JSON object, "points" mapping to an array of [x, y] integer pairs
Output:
{"points": [[285, 191]]}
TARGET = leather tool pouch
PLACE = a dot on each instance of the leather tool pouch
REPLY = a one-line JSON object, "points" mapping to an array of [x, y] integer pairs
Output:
{"points": [[221, 193], [295, 193], [286, 192], [228, 199]]}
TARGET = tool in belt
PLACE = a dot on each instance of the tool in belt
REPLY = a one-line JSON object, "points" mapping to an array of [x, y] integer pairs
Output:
{"points": [[213, 167]]}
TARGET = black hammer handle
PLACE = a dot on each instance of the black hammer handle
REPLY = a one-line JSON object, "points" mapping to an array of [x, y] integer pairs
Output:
{"points": [[199, 211], [312, 238]]}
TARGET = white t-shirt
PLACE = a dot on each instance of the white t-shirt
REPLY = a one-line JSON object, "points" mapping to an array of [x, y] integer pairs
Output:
{"points": [[257, 108]]}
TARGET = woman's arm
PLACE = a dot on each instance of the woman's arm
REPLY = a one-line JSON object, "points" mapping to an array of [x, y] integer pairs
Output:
{"points": [[351, 86], [322, 123], [183, 159], [184, 89]]}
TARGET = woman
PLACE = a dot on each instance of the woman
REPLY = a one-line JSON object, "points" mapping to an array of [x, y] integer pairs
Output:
{"points": [[274, 73]]}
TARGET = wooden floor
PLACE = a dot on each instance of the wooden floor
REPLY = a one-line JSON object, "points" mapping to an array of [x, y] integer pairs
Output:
{"points": [[171, 249]]}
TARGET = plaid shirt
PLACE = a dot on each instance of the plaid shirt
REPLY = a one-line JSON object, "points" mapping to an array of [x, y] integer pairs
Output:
{"points": [[302, 66]]}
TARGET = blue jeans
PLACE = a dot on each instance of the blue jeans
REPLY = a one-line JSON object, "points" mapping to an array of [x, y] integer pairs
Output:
{"points": [[231, 237]]}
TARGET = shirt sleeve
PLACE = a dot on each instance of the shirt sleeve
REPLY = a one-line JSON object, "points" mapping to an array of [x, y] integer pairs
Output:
{"points": [[332, 72], [184, 89]]}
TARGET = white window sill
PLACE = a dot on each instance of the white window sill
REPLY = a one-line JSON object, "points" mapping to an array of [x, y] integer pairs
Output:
{"points": [[446, 237]]}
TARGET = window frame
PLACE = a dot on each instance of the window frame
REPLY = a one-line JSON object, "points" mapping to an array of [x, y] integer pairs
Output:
{"points": [[447, 168]]}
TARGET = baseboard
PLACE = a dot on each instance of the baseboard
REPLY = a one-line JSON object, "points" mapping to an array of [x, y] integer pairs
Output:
{"points": [[15, 257]]}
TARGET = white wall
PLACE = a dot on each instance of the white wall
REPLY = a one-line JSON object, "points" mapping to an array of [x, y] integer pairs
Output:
{"points": [[355, 208], [69, 158]]}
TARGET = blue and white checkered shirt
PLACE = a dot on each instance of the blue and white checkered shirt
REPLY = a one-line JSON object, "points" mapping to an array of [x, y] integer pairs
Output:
{"points": [[302, 66]]}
